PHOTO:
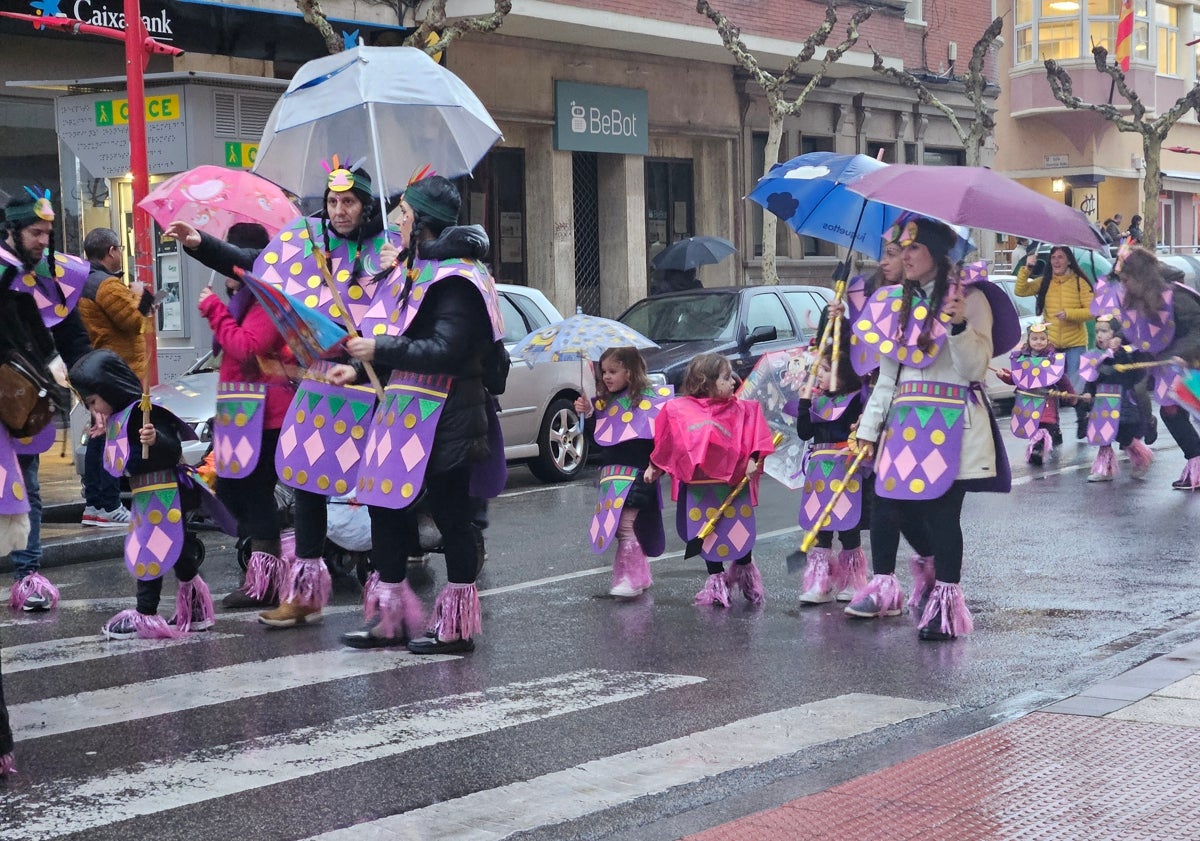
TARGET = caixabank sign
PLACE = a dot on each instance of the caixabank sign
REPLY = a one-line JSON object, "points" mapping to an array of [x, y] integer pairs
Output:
{"points": [[211, 28], [600, 118]]}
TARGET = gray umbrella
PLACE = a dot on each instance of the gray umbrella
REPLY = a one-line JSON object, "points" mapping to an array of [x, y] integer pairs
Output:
{"points": [[693, 252]]}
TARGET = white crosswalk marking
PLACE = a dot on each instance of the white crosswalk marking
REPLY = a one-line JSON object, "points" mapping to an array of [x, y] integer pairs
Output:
{"points": [[62, 652], [566, 795], [65, 806], [162, 696]]}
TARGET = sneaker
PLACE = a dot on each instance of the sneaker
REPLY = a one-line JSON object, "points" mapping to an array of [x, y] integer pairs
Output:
{"points": [[432, 645], [35, 602], [1183, 485], [932, 631], [815, 596], [1099, 477], [117, 518], [1139, 473], [624, 589], [366, 637], [290, 614], [846, 594], [239, 598], [868, 607], [91, 516], [122, 629], [197, 625]]}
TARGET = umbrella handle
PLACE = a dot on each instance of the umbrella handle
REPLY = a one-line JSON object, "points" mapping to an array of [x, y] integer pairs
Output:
{"points": [[839, 294]]}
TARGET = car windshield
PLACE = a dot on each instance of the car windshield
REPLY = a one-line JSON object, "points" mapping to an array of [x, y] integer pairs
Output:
{"points": [[684, 318]]}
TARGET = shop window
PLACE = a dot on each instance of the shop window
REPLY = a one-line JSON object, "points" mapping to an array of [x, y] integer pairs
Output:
{"points": [[758, 165], [1068, 29], [30, 158], [943, 157], [670, 209], [1166, 20], [495, 198]]}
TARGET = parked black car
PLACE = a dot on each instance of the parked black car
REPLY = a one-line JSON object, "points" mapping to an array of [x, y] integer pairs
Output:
{"points": [[740, 322]]}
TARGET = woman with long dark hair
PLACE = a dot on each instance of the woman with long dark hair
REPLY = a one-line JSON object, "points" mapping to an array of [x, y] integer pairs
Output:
{"points": [[1064, 298], [928, 425]]}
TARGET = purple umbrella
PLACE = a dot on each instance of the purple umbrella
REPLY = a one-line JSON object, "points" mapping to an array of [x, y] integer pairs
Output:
{"points": [[979, 198]]}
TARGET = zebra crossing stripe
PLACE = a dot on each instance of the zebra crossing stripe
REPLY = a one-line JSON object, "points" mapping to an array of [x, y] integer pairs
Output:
{"points": [[166, 695], [68, 650], [74, 805], [613, 780]]}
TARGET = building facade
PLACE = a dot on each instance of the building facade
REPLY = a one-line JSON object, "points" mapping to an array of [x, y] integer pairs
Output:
{"points": [[1078, 156], [627, 125]]}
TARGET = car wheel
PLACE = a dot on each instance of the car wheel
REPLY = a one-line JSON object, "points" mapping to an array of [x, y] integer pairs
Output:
{"points": [[562, 445]]}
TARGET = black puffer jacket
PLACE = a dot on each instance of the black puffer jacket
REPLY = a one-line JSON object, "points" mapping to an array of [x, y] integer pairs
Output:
{"points": [[451, 334]]}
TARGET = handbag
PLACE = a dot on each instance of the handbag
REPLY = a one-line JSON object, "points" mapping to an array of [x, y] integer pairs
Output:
{"points": [[26, 401]]}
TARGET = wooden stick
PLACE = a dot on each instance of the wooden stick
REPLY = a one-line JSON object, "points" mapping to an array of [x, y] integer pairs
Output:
{"points": [[826, 335], [810, 536], [145, 407], [1137, 366], [351, 329], [839, 294]]}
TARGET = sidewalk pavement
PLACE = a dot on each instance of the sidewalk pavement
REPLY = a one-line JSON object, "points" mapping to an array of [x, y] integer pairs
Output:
{"points": [[64, 540], [1117, 761]]}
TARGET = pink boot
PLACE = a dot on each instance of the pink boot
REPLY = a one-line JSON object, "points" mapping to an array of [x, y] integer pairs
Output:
{"points": [[623, 586], [946, 615], [748, 579], [851, 573], [32, 593], [921, 567], [818, 586], [193, 607], [456, 621], [265, 575], [883, 596], [394, 616], [1104, 468], [715, 591], [1189, 479], [1140, 458]]}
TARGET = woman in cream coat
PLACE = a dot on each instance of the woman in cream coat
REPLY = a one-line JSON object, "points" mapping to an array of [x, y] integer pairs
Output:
{"points": [[925, 467]]}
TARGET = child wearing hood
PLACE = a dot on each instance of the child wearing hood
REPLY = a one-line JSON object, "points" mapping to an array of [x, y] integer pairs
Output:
{"points": [[109, 388]]}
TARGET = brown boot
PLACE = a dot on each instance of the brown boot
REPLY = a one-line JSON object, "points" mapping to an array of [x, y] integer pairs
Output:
{"points": [[289, 614]]}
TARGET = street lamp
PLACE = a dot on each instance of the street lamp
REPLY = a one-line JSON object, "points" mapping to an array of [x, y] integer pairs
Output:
{"points": [[1057, 185]]}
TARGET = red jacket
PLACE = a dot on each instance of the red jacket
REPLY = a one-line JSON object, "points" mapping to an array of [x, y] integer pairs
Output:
{"points": [[246, 349]]}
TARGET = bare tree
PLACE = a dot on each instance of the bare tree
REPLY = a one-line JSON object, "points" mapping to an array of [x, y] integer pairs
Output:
{"points": [[434, 23], [782, 99], [1153, 131], [975, 135]]}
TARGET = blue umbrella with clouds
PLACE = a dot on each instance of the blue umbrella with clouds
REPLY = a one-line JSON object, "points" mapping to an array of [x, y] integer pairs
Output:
{"points": [[809, 193]]}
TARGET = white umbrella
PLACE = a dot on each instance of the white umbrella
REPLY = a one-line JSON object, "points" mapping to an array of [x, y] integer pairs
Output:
{"points": [[395, 107]]}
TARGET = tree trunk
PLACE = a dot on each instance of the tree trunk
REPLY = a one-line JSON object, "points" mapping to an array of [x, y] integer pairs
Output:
{"points": [[1152, 150], [770, 272]]}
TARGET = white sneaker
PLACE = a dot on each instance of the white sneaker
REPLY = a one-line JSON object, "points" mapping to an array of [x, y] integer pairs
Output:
{"points": [[91, 516], [118, 518], [815, 596], [623, 589], [1099, 477]]}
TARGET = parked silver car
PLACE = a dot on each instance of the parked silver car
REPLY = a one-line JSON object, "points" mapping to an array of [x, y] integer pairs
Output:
{"points": [[537, 414]]}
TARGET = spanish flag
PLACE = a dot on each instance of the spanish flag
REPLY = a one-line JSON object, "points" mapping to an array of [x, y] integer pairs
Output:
{"points": [[1124, 34]]}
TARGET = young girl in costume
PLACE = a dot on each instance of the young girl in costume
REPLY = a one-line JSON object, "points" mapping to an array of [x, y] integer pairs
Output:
{"points": [[1036, 369], [827, 420], [629, 508], [708, 441], [1114, 416], [156, 541]]}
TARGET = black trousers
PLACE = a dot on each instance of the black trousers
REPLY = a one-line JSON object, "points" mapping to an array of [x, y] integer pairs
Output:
{"points": [[251, 498], [312, 523], [149, 593], [1179, 423], [448, 500], [932, 526]]}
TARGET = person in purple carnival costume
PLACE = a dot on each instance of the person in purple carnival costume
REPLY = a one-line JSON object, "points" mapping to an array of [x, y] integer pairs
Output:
{"points": [[109, 389], [448, 323], [29, 229], [936, 345], [254, 366], [1160, 318]]}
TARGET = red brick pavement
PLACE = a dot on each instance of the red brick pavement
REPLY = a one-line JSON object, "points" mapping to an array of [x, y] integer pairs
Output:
{"points": [[1044, 776]]}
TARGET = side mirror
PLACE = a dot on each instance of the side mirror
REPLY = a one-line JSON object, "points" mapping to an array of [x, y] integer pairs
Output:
{"points": [[761, 333]]}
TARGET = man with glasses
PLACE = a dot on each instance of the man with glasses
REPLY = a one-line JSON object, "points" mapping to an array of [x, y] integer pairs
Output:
{"points": [[114, 315]]}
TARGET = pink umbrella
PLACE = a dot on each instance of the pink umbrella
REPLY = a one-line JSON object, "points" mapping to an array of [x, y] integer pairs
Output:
{"points": [[979, 198], [212, 198]]}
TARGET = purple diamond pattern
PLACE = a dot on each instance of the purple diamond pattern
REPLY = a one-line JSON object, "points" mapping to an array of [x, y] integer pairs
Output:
{"points": [[391, 482]]}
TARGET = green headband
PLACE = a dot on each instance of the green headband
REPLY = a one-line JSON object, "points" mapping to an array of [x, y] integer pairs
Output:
{"points": [[422, 203]]}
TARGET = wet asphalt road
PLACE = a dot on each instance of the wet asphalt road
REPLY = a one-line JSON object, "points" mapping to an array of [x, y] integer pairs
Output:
{"points": [[1068, 582]]}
